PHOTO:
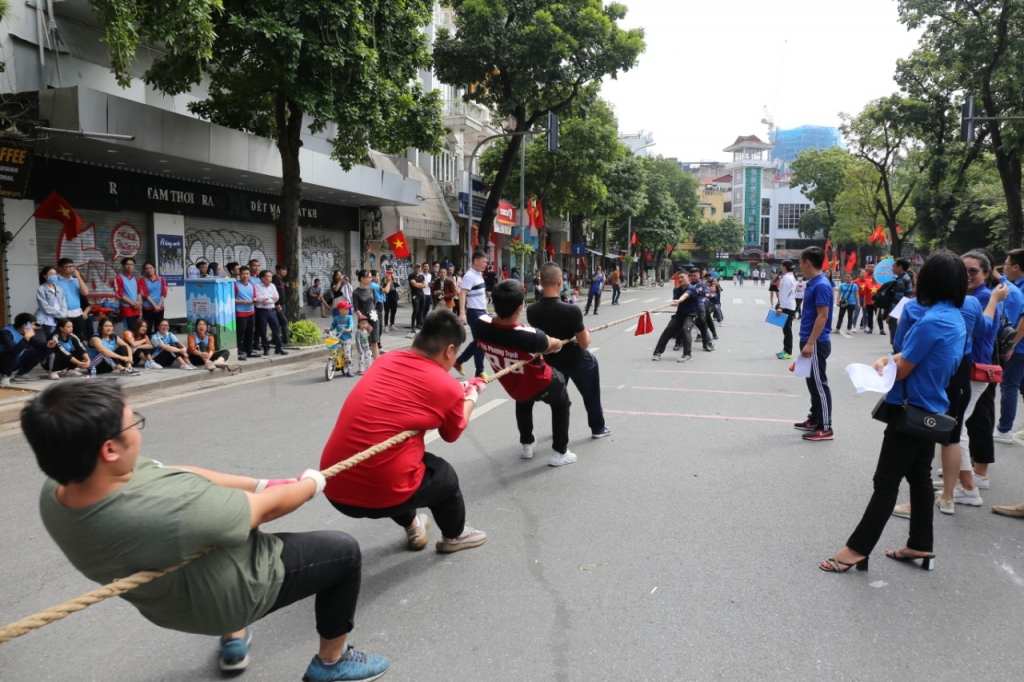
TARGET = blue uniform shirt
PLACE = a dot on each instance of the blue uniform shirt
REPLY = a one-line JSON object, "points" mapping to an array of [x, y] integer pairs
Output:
{"points": [[377, 292], [818, 292], [691, 304], [935, 345]]}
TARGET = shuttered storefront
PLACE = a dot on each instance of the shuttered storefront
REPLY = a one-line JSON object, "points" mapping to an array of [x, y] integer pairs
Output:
{"points": [[224, 241], [106, 238], [323, 252]]}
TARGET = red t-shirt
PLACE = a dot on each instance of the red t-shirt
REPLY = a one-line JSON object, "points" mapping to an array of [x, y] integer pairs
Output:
{"points": [[868, 287], [401, 391], [505, 345]]}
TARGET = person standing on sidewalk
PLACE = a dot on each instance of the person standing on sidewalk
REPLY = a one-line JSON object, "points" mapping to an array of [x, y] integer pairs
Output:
{"points": [[472, 306], [787, 306], [245, 312], [129, 293], [563, 321], [76, 295], [594, 294], [417, 296], [266, 313], [404, 478], [280, 280], [816, 344], [1013, 361]]}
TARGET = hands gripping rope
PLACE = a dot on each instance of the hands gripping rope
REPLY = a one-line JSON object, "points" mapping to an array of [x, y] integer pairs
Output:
{"points": [[122, 585]]}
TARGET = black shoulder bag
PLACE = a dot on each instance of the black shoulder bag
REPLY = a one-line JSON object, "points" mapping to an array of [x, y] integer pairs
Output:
{"points": [[921, 423]]}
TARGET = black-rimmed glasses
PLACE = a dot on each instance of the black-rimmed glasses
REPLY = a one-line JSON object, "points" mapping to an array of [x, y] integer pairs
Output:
{"points": [[139, 422]]}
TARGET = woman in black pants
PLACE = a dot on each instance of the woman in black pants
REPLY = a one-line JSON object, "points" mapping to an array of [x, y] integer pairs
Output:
{"points": [[69, 354], [931, 355], [391, 301]]}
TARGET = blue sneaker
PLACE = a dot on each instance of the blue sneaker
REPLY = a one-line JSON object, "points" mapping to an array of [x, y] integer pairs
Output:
{"points": [[604, 432], [354, 666], [234, 653]]}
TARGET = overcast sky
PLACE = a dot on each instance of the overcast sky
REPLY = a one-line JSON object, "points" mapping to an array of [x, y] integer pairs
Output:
{"points": [[711, 68]]}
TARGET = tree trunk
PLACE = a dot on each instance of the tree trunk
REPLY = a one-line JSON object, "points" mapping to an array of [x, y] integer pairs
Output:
{"points": [[510, 157], [289, 129], [1010, 177]]}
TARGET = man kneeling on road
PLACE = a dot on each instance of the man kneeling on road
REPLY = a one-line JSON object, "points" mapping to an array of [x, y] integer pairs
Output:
{"points": [[114, 513], [505, 342], [403, 478]]}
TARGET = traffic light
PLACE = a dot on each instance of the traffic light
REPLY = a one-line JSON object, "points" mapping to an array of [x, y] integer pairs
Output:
{"points": [[552, 132], [967, 116]]}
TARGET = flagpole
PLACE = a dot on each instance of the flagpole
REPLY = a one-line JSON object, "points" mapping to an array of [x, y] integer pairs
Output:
{"points": [[19, 230]]}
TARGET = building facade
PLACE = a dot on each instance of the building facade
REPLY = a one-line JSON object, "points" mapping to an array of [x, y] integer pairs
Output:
{"points": [[791, 141]]}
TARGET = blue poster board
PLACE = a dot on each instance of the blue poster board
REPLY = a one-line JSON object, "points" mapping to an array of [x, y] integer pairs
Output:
{"points": [[883, 271]]}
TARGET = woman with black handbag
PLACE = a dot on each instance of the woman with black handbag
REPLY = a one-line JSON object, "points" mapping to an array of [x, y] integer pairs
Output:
{"points": [[914, 411]]}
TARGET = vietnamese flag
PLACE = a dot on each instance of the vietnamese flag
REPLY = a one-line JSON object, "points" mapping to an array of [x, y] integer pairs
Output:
{"points": [[57, 208], [851, 262], [634, 239], [398, 245]]}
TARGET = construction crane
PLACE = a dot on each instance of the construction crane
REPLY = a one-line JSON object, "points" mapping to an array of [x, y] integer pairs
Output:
{"points": [[768, 120]]}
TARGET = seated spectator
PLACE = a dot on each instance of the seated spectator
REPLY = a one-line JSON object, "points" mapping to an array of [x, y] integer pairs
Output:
{"points": [[21, 349], [69, 353], [108, 352], [140, 345], [315, 298], [50, 301], [167, 350], [202, 348]]}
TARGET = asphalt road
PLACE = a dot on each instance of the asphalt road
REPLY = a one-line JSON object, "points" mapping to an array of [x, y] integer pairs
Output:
{"points": [[683, 547]]}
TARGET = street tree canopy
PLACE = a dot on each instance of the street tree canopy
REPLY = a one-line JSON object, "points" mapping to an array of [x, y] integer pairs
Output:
{"points": [[525, 59], [279, 67], [820, 174], [718, 236]]}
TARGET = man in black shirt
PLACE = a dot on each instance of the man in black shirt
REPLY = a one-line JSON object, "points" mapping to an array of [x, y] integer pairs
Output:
{"points": [[563, 321], [280, 281], [417, 296], [687, 302]]}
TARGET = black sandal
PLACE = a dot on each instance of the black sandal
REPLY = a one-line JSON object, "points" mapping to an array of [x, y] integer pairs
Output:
{"points": [[834, 565], [927, 562]]}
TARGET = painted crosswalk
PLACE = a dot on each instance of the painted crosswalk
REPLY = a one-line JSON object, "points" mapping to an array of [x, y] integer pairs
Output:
{"points": [[760, 301], [652, 300], [737, 301]]}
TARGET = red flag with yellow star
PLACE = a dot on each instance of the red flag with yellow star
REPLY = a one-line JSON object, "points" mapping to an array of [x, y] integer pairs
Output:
{"points": [[398, 245], [57, 208]]}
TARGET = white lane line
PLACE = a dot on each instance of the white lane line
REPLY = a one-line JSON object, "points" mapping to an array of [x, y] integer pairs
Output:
{"points": [[650, 300], [592, 350], [433, 435], [632, 300], [760, 301], [735, 301]]}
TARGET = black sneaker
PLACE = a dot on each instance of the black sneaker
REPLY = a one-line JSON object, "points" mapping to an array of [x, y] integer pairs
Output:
{"points": [[677, 348], [280, 352], [602, 433], [242, 357]]}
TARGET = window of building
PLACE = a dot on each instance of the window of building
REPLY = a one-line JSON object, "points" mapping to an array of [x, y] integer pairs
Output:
{"points": [[766, 225], [789, 215], [714, 210], [727, 207], [442, 167]]}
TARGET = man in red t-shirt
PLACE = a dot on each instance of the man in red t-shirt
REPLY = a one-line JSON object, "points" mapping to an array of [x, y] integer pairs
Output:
{"points": [[505, 342], [403, 478]]}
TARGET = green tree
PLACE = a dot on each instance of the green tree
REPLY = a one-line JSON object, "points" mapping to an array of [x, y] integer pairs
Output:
{"points": [[530, 58], [815, 223], [882, 136], [718, 236], [856, 208], [821, 176], [343, 64], [981, 45], [627, 195]]}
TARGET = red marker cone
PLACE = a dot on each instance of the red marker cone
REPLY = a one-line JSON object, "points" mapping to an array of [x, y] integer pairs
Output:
{"points": [[644, 324]]}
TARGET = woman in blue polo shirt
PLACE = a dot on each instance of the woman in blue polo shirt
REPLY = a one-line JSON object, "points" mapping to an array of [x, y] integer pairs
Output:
{"points": [[846, 299], [932, 352]]}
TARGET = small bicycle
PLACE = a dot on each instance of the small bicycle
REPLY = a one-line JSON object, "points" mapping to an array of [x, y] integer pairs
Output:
{"points": [[335, 356]]}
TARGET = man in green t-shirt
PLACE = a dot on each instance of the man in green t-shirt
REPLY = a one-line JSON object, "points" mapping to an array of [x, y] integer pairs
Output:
{"points": [[114, 513]]}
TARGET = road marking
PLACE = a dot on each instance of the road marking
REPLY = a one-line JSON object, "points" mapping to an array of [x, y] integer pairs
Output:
{"points": [[593, 350], [698, 416], [737, 301], [433, 435], [632, 300], [760, 301], [719, 374], [699, 390], [652, 300]]}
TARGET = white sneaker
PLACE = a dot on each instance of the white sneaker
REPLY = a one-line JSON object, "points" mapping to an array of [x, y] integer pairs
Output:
{"points": [[558, 460], [1018, 437], [982, 482], [527, 451], [52, 375], [968, 497], [187, 368], [945, 506], [5, 381], [854, 330], [1000, 437]]}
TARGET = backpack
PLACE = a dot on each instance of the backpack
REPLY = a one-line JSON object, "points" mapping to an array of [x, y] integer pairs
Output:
{"points": [[886, 296], [1004, 340]]}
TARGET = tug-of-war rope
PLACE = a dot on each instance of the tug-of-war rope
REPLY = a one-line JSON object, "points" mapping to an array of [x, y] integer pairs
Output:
{"points": [[123, 585]]}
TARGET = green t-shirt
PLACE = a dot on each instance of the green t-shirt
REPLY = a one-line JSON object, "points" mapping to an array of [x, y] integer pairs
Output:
{"points": [[157, 519]]}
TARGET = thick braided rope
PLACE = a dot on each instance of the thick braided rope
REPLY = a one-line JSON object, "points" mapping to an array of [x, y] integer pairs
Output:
{"points": [[122, 585]]}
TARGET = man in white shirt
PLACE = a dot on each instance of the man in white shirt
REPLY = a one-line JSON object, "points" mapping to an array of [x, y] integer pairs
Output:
{"points": [[787, 306], [472, 306], [266, 313]]}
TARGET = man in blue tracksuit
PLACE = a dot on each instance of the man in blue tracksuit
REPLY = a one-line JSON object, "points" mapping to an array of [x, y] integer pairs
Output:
{"points": [[816, 344], [1013, 367]]}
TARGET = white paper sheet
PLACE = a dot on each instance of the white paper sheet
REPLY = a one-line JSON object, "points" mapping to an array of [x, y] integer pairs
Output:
{"points": [[866, 378], [802, 366], [898, 310]]}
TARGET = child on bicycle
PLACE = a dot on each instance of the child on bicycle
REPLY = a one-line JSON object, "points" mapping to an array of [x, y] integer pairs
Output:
{"points": [[342, 325]]}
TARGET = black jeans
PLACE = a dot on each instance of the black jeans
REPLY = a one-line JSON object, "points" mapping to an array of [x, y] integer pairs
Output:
{"points": [[867, 318], [709, 319], [980, 425], [680, 326], [799, 305], [326, 563], [902, 456], [265, 317], [199, 362], [418, 302], [390, 311], [557, 397], [472, 315], [244, 326], [282, 322], [847, 311], [23, 362], [616, 293], [58, 362], [153, 318], [817, 385], [787, 331], [586, 375], [593, 298], [439, 492]]}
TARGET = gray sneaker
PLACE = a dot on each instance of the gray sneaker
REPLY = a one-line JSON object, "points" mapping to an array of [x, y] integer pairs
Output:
{"points": [[5, 381], [685, 358], [471, 537], [419, 536], [561, 459], [656, 357]]}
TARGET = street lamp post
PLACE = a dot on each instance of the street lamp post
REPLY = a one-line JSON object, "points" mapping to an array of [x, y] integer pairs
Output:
{"points": [[629, 228]]}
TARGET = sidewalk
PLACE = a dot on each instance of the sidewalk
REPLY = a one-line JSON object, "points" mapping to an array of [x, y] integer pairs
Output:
{"points": [[151, 381]]}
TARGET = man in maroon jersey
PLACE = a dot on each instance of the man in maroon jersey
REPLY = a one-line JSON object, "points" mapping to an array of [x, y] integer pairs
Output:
{"points": [[505, 342]]}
